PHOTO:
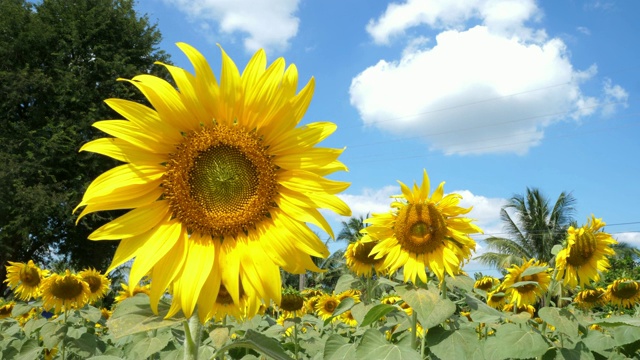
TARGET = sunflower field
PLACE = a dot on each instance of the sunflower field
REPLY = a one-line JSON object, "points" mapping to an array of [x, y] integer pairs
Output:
{"points": [[220, 187]]}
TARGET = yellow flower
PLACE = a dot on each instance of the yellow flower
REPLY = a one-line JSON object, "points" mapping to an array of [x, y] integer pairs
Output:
{"points": [[245, 307], [347, 318], [496, 299], [486, 283], [126, 293], [588, 299], [216, 171], [31, 314], [527, 294], [520, 309], [360, 260], [6, 309], [310, 304], [106, 313], [624, 293], [98, 284], [25, 279], [292, 300], [588, 248], [422, 231], [64, 292], [349, 293], [391, 299], [326, 305], [50, 354]]}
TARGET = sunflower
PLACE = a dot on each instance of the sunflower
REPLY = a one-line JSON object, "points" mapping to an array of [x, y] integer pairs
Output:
{"points": [[587, 299], [623, 293], [349, 293], [245, 307], [292, 300], [529, 293], [326, 305], [360, 260], [216, 168], [6, 309], [496, 299], [310, 304], [486, 283], [127, 292], [106, 313], [520, 309], [391, 299], [64, 292], [25, 279], [98, 284], [347, 318], [588, 248], [422, 231]]}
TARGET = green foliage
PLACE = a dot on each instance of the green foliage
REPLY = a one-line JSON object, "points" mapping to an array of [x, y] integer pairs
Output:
{"points": [[59, 61]]}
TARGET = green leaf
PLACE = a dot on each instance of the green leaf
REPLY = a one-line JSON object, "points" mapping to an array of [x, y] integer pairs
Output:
{"points": [[579, 352], [337, 348], [374, 346], [563, 320], [359, 311], [556, 249], [429, 307], [513, 341], [462, 282], [20, 309], [534, 270], [91, 314], [105, 357], [33, 325], [343, 307], [618, 321], [52, 333], [479, 308], [599, 342], [219, 336], [345, 282], [84, 346], [454, 344], [624, 335], [376, 313], [524, 283], [30, 350], [134, 315], [258, 342], [152, 345]]}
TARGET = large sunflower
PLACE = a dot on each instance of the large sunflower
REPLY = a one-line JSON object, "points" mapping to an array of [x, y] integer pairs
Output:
{"points": [[63, 292], [422, 231], [524, 288], [216, 170], [586, 253], [25, 279], [623, 293]]}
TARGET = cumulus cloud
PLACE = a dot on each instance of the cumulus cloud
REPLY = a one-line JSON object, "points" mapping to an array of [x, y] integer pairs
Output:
{"points": [[263, 24], [491, 88], [631, 238]]}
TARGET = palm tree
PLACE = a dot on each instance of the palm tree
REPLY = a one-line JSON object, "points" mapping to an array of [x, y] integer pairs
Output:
{"points": [[351, 229], [533, 229]]}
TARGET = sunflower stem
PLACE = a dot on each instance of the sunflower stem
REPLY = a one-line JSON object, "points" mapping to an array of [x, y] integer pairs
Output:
{"points": [[64, 337], [443, 288], [192, 332], [295, 334], [414, 330]]}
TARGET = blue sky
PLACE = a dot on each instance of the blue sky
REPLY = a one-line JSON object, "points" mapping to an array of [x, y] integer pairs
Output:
{"points": [[491, 96]]}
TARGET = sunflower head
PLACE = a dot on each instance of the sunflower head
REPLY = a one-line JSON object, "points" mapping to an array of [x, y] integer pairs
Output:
{"points": [[423, 231], [496, 299], [292, 300], [347, 318], [106, 313], [360, 259], [326, 305], [510, 308], [624, 293], [220, 180], [6, 309], [128, 292], [527, 283], [587, 299], [98, 284], [486, 283], [25, 279], [350, 293], [64, 291], [586, 254]]}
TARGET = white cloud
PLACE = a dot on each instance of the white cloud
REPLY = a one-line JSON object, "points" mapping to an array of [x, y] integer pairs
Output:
{"points": [[583, 30], [492, 88], [264, 24], [631, 238]]}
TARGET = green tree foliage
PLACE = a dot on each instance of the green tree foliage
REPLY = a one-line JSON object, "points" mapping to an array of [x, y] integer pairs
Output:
{"points": [[59, 59], [533, 228]]}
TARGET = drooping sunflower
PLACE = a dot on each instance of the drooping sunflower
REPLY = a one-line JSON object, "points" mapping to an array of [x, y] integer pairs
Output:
{"points": [[496, 299], [528, 293], [360, 260], [520, 309], [98, 284], [6, 309], [64, 292], [486, 283], [25, 279], [216, 168], [422, 231], [623, 293], [326, 305], [587, 299], [292, 300], [587, 252], [127, 292]]}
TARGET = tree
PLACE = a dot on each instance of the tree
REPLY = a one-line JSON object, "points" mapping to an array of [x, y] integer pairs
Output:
{"points": [[350, 231], [59, 59], [533, 229]]}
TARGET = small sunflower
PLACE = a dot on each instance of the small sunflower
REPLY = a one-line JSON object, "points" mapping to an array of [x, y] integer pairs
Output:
{"points": [[392, 299], [588, 248], [216, 170], [349, 293], [486, 283], [310, 303], [422, 231], [106, 313], [64, 292], [520, 309], [347, 318], [326, 305], [624, 293], [360, 260], [6, 309], [526, 294], [98, 284], [31, 314], [292, 300], [496, 299], [126, 292], [587, 299], [25, 279]]}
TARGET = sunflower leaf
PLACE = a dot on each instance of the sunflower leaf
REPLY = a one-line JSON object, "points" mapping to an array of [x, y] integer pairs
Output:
{"points": [[258, 342], [524, 283], [345, 282], [134, 315], [561, 319], [375, 347], [454, 344], [376, 313], [522, 343], [344, 306], [337, 348], [429, 306], [534, 270]]}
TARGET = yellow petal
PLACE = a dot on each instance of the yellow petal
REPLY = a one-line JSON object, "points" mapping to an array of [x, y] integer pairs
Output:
{"points": [[135, 222], [122, 151], [200, 262], [166, 270]]}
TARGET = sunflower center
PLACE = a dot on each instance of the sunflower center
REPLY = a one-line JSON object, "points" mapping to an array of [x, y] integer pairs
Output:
{"points": [[362, 253], [220, 181], [29, 276], [583, 249], [524, 289], [420, 228], [94, 283], [67, 288], [330, 306], [625, 290]]}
